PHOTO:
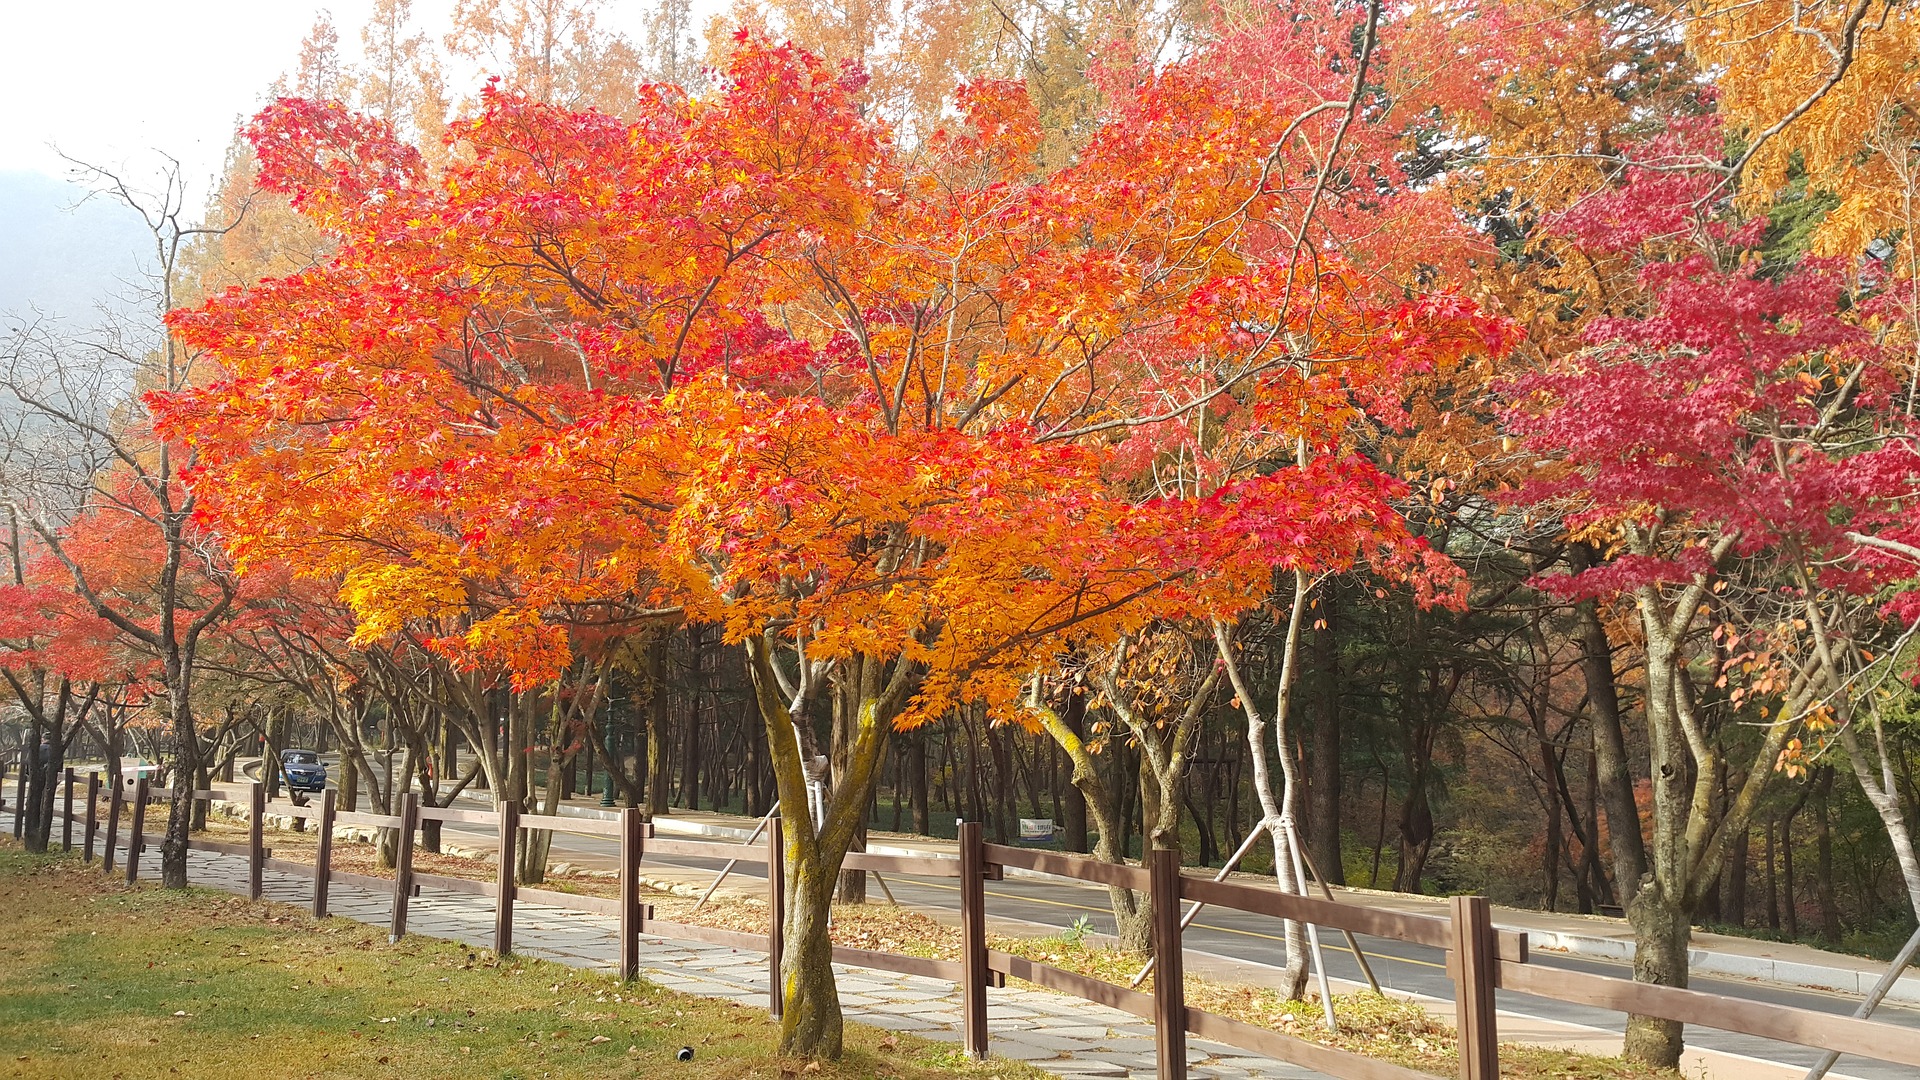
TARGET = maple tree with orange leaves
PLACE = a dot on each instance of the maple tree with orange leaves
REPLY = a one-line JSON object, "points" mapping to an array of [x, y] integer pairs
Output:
{"points": [[884, 420]]}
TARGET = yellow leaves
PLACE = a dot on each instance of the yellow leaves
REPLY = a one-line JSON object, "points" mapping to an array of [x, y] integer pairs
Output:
{"points": [[1793, 760], [1776, 56], [383, 597]]}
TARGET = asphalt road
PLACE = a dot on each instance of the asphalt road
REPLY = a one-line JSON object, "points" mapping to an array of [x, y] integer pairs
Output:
{"points": [[1254, 938]]}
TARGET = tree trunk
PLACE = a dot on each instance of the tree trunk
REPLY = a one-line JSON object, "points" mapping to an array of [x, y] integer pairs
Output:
{"points": [[1614, 777], [1135, 932], [349, 776], [1734, 893], [1323, 749], [1773, 877], [1823, 881], [1276, 809], [34, 829], [917, 785], [1882, 794], [1658, 910], [811, 1024], [654, 801], [852, 886], [1073, 801], [1661, 934], [186, 749]]}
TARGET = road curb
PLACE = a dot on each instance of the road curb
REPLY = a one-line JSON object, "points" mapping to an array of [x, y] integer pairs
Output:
{"points": [[1906, 989]]}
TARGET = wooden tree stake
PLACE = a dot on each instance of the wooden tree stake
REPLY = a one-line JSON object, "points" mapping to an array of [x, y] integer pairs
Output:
{"points": [[973, 941], [93, 815], [66, 811], [114, 801], [136, 832], [403, 865], [776, 915], [323, 852], [633, 841], [503, 878], [1169, 980], [256, 838], [1475, 974]]}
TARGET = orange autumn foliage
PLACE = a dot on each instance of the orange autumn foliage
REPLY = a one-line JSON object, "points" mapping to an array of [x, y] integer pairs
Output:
{"points": [[744, 359]]}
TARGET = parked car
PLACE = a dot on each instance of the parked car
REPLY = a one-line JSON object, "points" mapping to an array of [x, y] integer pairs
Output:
{"points": [[302, 770]]}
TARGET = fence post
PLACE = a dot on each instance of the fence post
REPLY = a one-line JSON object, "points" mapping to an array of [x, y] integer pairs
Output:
{"points": [[1169, 976], [403, 865], [93, 815], [115, 800], [66, 811], [776, 915], [136, 832], [323, 852], [973, 941], [256, 838], [503, 877], [633, 847], [1473, 965]]}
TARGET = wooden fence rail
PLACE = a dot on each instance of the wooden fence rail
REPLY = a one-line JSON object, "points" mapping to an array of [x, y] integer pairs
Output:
{"points": [[1479, 957]]}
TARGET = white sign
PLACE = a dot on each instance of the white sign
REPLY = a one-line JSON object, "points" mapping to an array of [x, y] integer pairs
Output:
{"points": [[1036, 828]]}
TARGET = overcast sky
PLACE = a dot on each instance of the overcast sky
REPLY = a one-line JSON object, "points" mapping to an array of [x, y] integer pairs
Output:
{"points": [[112, 81], [118, 83]]}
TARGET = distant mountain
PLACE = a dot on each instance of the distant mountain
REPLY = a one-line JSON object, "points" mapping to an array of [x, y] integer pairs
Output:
{"points": [[63, 253]]}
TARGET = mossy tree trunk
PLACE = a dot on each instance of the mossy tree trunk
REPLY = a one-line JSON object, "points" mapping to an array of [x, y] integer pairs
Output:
{"points": [[811, 1024], [1129, 908], [1691, 830]]}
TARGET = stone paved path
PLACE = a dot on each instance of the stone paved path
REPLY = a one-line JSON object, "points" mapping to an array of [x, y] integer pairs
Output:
{"points": [[1063, 1035]]}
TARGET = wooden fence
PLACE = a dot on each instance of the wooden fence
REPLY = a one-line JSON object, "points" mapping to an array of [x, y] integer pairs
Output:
{"points": [[1480, 958]]}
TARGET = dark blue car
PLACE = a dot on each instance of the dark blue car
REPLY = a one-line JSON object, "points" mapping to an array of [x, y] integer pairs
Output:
{"points": [[302, 770]]}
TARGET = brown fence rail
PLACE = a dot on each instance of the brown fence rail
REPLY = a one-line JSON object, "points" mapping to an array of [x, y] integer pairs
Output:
{"points": [[1480, 959]]}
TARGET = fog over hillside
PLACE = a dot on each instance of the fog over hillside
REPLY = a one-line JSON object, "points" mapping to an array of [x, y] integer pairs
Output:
{"points": [[62, 253]]}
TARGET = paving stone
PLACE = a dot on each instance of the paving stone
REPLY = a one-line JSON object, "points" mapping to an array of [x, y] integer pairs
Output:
{"points": [[1078, 1068], [1047, 1038], [881, 1019], [1078, 1031], [1018, 1049], [1118, 1057]]}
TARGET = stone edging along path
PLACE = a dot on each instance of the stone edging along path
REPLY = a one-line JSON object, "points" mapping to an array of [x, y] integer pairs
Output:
{"points": [[1063, 1035]]}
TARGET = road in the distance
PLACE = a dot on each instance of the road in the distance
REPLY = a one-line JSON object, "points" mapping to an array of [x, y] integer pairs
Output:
{"points": [[1255, 938]]}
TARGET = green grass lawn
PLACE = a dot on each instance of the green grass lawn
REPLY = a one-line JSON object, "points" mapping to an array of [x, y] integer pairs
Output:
{"points": [[98, 980]]}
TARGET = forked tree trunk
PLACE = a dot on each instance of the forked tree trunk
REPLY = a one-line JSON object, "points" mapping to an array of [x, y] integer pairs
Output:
{"points": [[1135, 929], [1277, 809], [810, 1024]]}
